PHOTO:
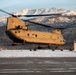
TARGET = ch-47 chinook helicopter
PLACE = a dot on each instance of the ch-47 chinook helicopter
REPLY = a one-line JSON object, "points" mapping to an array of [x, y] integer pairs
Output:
{"points": [[18, 32]]}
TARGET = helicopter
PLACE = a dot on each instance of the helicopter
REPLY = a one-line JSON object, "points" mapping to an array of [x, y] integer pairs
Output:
{"points": [[18, 32]]}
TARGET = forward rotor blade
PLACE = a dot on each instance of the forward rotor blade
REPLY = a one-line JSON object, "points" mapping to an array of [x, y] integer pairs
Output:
{"points": [[7, 13], [58, 14]]}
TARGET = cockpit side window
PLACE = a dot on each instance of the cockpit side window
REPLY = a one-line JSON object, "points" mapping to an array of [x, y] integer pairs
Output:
{"points": [[18, 27]]}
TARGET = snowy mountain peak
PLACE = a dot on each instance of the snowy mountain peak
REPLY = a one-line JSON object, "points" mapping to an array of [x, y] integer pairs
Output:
{"points": [[70, 12]]}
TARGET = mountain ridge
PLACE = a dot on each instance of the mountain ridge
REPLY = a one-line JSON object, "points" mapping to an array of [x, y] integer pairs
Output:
{"points": [[29, 11]]}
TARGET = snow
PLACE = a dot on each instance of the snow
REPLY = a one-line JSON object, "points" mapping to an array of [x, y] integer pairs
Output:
{"points": [[70, 12], [23, 12], [38, 53], [39, 11], [30, 12]]}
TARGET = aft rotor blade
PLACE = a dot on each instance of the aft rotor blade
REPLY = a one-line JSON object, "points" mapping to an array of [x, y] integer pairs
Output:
{"points": [[68, 26], [7, 13], [38, 23], [61, 28], [58, 14], [73, 24]]}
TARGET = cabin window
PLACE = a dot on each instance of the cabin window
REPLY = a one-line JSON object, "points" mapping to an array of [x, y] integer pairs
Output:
{"points": [[27, 34], [60, 40], [15, 31], [36, 35]]}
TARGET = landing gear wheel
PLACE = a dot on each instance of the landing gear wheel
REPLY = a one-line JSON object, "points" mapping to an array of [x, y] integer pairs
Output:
{"points": [[30, 49], [39, 47], [70, 49], [53, 49], [49, 47], [61, 49], [14, 44], [34, 49]]}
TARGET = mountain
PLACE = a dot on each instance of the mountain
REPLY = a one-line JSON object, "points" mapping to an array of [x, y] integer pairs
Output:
{"points": [[40, 11]]}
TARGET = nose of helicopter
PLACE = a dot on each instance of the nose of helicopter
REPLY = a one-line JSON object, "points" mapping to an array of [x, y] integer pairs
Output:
{"points": [[13, 37]]}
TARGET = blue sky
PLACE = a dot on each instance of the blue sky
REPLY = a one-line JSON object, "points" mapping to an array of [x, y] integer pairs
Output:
{"points": [[16, 5]]}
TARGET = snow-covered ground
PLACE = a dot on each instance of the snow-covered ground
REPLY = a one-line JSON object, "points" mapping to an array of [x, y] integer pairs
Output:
{"points": [[38, 53]]}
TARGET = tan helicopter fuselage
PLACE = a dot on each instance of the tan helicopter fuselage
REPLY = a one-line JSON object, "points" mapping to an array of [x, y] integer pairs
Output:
{"points": [[19, 33]]}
